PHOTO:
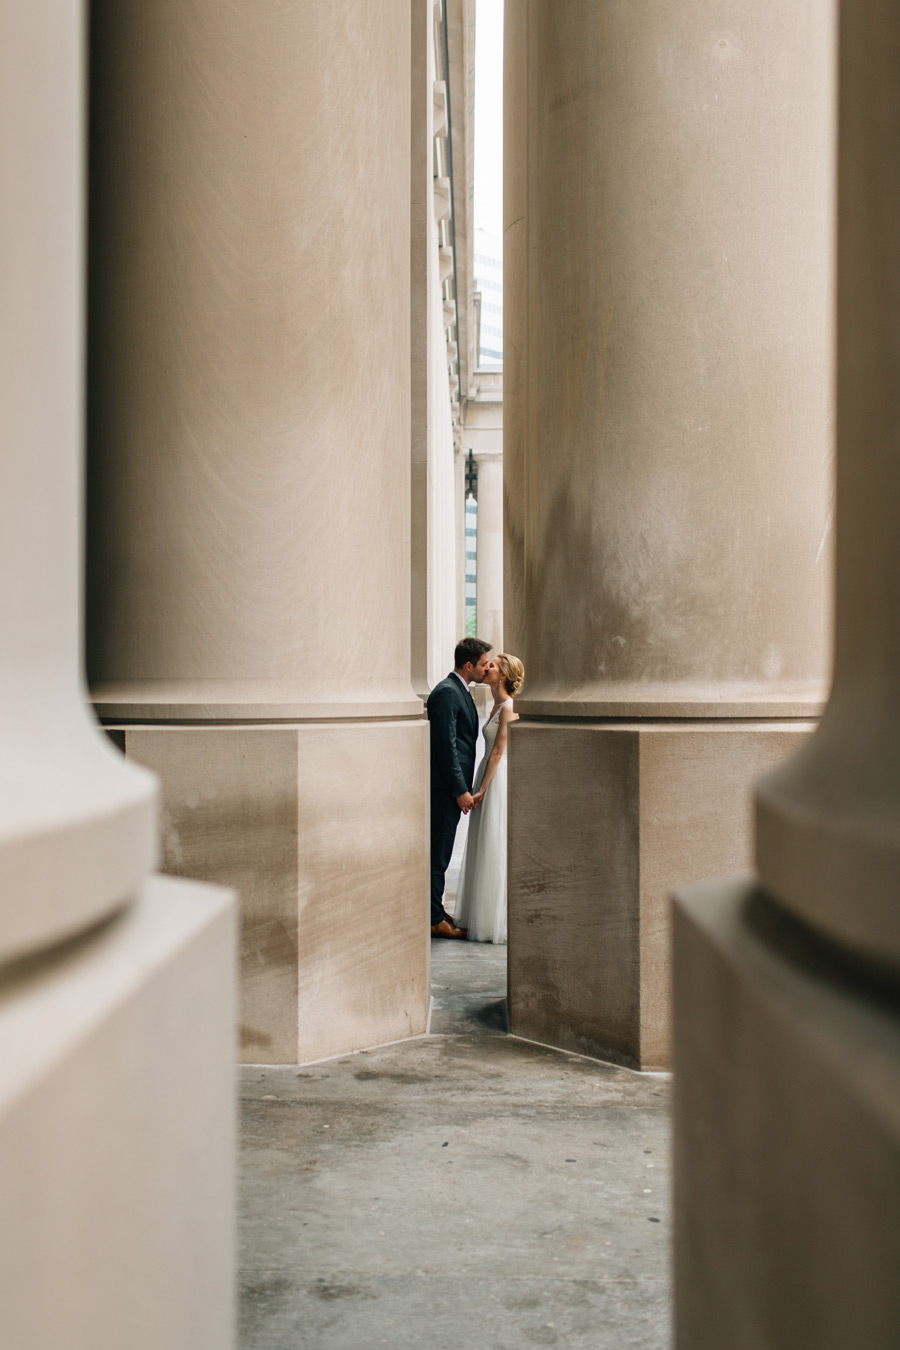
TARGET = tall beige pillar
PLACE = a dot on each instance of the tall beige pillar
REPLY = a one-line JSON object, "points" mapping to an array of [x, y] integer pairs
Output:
{"points": [[666, 452], [117, 1206], [787, 1021], [249, 615], [489, 550]]}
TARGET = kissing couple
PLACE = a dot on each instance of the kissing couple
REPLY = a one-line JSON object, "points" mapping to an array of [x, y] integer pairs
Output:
{"points": [[456, 790]]}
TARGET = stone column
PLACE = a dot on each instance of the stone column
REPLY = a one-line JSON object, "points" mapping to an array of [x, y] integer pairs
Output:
{"points": [[828, 821], [667, 441], [787, 1025], [489, 552], [421, 177], [434, 565], [117, 1208], [249, 615]]}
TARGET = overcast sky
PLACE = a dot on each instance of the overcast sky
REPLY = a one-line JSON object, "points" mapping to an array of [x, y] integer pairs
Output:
{"points": [[489, 115]]}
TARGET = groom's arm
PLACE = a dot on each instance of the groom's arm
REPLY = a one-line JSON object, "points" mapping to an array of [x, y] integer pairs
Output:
{"points": [[442, 713]]}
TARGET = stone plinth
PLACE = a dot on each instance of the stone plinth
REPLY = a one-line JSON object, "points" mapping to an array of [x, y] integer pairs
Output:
{"points": [[117, 1133], [787, 1135], [322, 836], [623, 812]]}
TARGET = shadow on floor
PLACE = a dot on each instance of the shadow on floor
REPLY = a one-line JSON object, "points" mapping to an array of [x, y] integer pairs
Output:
{"points": [[462, 1188], [468, 988]]}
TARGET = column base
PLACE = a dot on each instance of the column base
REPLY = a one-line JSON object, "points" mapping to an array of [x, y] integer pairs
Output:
{"points": [[117, 1132], [787, 1134], [605, 820], [322, 830]]}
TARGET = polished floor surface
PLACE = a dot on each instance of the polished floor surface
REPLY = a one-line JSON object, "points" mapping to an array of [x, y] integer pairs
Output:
{"points": [[462, 1191]]}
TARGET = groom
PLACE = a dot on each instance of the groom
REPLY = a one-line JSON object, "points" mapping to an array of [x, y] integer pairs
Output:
{"points": [[454, 731]]}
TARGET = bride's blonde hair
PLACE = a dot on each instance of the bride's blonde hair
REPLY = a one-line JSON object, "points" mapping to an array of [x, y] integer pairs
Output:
{"points": [[513, 672]]}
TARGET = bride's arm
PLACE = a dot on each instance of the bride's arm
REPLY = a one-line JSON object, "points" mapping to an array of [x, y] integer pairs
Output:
{"points": [[506, 716]]}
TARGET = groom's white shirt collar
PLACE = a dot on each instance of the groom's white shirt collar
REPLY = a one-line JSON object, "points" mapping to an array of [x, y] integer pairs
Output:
{"points": [[461, 680]]}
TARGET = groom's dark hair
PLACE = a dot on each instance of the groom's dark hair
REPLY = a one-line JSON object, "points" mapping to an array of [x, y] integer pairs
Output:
{"points": [[469, 649]]}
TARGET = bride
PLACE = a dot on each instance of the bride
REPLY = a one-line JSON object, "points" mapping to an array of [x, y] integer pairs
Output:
{"points": [[481, 898]]}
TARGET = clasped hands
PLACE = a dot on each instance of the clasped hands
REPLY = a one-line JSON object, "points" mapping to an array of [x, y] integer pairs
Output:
{"points": [[468, 801]]}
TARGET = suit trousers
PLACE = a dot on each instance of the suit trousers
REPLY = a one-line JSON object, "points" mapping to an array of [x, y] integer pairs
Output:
{"points": [[445, 816]]}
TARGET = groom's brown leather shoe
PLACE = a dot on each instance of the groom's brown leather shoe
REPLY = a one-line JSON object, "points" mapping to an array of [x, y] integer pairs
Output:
{"points": [[446, 929]]}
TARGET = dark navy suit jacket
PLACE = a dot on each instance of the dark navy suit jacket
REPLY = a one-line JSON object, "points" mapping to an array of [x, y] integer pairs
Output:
{"points": [[454, 733]]}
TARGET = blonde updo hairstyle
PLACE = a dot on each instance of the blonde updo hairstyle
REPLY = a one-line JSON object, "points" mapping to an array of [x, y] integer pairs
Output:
{"points": [[513, 672]]}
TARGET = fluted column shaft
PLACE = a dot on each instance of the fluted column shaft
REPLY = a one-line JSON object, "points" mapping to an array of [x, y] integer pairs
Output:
{"points": [[667, 436], [250, 485]]}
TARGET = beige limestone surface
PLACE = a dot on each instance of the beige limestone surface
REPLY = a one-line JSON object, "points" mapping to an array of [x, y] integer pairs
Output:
{"points": [[421, 228], [320, 828], [249, 475], [116, 1021], [433, 513], [787, 1011], [489, 551], [117, 1133], [249, 484], [603, 822], [787, 1135], [828, 824], [76, 824], [668, 368], [460, 16], [668, 197]]}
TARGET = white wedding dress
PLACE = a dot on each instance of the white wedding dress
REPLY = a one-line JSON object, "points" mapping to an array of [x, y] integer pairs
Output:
{"points": [[481, 898]]}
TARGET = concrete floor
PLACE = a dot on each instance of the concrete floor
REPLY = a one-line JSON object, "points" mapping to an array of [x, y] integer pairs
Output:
{"points": [[460, 1190]]}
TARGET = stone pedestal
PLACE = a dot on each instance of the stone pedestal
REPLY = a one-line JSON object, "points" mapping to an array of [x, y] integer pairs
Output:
{"points": [[117, 1133], [787, 1135], [329, 960], [116, 991], [623, 808], [667, 390], [249, 485]]}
